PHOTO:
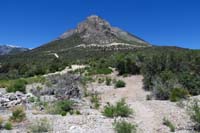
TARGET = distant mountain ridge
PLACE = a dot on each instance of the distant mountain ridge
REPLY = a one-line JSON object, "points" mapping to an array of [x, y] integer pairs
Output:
{"points": [[10, 49]]}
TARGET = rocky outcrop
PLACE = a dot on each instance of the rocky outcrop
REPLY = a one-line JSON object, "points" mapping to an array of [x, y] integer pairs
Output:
{"points": [[61, 86], [8, 100]]}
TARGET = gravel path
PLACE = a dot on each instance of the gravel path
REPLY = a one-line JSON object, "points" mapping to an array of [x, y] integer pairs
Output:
{"points": [[148, 114]]}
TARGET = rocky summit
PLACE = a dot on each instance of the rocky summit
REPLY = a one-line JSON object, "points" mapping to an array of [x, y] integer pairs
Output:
{"points": [[96, 30]]}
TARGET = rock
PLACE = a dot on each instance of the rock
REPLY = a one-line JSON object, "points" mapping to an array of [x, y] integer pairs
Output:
{"points": [[9, 100], [65, 86], [12, 97], [47, 98]]}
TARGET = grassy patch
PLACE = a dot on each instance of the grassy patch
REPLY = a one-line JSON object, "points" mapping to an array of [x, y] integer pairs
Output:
{"points": [[40, 126], [18, 85], [177, 94], [95, 100], [169, 124], [120, 109], [120, 84], [18, 114], [108, 81], [195, 114], [60, 107], [8, 126], [9, 83], [1, 121], [124, 127]]}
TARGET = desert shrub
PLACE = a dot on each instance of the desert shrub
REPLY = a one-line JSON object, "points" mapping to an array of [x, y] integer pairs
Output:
{"points": [[178, 94], [108, 81], [32, 99], [77, 112], [120, 109], [95, 100], [86, 79], [1, 122], [18, 114], [99, 70], [191, 82], [195, 114], [168, 123], [124, 127], [120, 84], [8, 126], [18, 85], [60, 107], [109, 110], [127, 66], [103, 71], [101, 80], [149, 97], [163, 85], [40, 126]]}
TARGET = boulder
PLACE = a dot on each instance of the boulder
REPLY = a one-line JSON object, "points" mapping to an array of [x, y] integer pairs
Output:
{"points": [[65, 86], [9, 100]]}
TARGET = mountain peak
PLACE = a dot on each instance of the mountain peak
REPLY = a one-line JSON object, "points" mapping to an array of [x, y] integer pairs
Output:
{"points": [[93, 17], [96, 30], [11, 49]]}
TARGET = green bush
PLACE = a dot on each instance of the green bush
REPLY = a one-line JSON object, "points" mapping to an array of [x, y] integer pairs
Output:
{"points": [[108, 81], [168, 123], [101, 80], [195, 114], [60, 107], [120, 109], [86, 79], [18, 85], [8, 126], [77, 112], [95, 100], [40, 126], [1, 122], [109, 110], [32, 99], [127, 66], [178, 94], [124, 127], [18, 114], [99, 70], [120, 84]]}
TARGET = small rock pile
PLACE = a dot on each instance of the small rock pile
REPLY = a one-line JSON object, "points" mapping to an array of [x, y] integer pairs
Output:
{"points": [[65, 86], [8, 100]]}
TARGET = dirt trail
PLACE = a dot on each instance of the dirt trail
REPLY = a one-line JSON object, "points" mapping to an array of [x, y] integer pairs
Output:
{"points": [[134, 95], [148, 114], [132, 92]]}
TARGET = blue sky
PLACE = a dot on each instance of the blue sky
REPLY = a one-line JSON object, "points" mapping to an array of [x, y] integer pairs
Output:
{"points": [[31, 23]]}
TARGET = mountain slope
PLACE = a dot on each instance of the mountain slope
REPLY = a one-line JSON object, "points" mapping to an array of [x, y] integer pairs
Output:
{"points": [[8, 50], [98, 31], [93, 32]]}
